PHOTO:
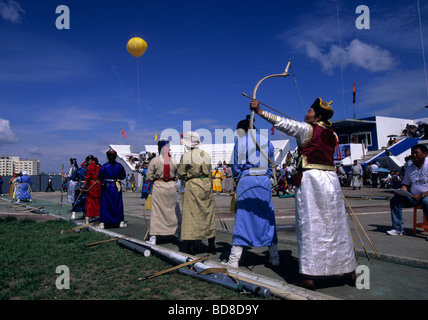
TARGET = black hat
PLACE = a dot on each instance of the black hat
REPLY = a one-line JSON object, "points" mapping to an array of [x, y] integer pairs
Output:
{"points": [[90, 157], [245, 124]]}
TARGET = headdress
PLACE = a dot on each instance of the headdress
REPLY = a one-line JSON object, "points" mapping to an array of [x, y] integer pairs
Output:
{"points": [[90, 157], [162, 144], [111, 155], [191, 139], [324, 109]]}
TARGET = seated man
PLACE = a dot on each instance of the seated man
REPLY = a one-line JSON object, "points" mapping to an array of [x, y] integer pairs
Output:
{"points": [[415, 181], [386, 182]]}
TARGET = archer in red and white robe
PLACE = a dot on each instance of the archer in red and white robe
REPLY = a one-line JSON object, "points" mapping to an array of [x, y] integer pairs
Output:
{"points": [[324, 240]]}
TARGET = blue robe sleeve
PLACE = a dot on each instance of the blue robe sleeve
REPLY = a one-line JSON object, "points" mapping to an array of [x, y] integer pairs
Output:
{"points": [[122, 174], [101, 173]]}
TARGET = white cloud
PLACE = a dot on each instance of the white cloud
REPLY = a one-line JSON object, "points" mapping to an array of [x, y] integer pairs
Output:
{"points": [[7, 136], [34, 151], [334, 41], [357, 53], [11, 11]]}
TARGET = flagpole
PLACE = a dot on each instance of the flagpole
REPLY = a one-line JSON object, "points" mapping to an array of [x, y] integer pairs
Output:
{"points": [[353, 102], [353, 108]]}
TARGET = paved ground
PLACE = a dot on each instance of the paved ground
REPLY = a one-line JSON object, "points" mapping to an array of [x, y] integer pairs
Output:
{"points": [[401, 274]]}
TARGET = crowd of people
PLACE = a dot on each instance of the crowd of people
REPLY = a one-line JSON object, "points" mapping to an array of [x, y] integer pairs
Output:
{"points": [[20, 187], [374, 176], [325, 247], [96, 191]]}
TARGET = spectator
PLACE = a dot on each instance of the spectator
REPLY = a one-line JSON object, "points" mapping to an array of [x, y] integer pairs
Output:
{"points": [[49, 186], [357, 175], [415, 181], [342, 175]]}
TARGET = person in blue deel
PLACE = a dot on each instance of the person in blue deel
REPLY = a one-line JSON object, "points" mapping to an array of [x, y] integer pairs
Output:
{"points": [[255, 217], [111, 204]]}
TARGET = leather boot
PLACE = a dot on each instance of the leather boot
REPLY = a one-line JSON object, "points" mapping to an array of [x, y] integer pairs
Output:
{"points": [[274, 255], [235, 256], [190, 247], [211, 246], [306, 282], [152, 240], [351, 279]]}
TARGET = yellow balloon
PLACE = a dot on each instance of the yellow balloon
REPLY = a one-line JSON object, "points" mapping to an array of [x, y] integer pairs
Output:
{"points": [[136, 47]]}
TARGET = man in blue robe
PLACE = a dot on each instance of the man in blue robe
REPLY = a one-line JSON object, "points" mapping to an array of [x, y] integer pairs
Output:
{"points": [[111, 205], [146, 185], [255, 218], [78, 178], [24, 187]]}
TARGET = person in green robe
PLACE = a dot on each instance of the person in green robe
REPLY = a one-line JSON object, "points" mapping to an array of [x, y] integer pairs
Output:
{"points": [[198, 219]]}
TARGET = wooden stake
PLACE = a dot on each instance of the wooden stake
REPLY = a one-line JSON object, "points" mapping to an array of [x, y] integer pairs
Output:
{"points": [[361, 240], [222, 223], [368, 238], [79, 227], [32, 209], [108, 240], [175, 268]]}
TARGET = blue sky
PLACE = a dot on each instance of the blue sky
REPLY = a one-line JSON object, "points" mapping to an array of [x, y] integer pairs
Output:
{"points": [[69, 93]]}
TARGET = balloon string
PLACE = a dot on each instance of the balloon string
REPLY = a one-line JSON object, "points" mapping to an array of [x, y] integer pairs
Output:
{"points": [[138, 90]]}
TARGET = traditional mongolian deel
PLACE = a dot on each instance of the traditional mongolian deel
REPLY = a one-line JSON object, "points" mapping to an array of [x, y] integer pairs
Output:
{"points": [[255, 217], [357, 175], [146, 185], [323, 235], [93, 194], [111, 204], [24, 182], [78, 177], [198, 221], [71, 184], [165, 211], [228, 181], [12, 186], [217, 178]]}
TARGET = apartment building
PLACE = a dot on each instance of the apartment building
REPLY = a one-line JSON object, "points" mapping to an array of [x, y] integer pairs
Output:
{"points": [[12, 164]]}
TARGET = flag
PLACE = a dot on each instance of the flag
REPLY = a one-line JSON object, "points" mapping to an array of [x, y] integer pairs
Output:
{"points": [[156, 136], [353, 93], [272, 130], [123, 133]]}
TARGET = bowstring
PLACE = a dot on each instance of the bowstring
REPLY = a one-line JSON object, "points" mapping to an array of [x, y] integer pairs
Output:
{"points": [[298, 89]]}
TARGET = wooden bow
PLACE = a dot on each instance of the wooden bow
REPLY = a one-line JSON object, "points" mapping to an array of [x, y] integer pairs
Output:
{"points": [[281, 75]]}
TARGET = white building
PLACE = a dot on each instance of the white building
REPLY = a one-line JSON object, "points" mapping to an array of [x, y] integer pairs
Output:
{"points": [[372, 136], [10, 165]]}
